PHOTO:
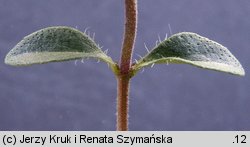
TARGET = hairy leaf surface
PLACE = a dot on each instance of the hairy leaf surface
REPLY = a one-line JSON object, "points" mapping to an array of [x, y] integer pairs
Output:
{"points": [[55, 44], [191, 48]]}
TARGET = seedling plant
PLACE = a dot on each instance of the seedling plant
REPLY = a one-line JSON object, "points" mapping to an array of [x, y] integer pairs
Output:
{"points": [[61, 43]]}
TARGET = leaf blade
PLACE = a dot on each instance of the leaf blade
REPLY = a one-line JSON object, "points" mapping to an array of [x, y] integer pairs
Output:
{"points": [[55, 44], [191, 48]]}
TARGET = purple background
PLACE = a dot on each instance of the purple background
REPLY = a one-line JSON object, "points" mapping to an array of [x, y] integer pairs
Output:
{"points": [[65, 96]]}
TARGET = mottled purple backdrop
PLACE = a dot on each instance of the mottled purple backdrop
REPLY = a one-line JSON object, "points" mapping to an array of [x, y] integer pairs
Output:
{"points": [[65, 96]]}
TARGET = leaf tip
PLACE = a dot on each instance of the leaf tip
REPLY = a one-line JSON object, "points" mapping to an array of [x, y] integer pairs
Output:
{"points": [[9, 60]]}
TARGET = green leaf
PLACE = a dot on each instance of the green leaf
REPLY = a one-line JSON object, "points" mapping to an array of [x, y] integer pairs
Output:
{"points": [[191, 48], [55, 44]]}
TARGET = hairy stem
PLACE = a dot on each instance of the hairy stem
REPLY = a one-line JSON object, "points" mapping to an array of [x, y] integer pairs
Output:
{"points": [[122, 103], [123, 79], [129, 35]]}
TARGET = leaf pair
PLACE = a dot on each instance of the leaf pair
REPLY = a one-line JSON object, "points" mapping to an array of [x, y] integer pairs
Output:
{"points": [[56, 44]]}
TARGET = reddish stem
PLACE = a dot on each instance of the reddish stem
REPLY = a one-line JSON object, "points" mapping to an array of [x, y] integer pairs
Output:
{"points": [[123, 79], [129, 35], [122, 103]]}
